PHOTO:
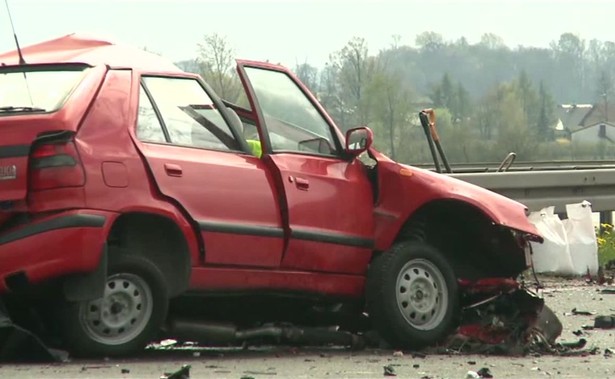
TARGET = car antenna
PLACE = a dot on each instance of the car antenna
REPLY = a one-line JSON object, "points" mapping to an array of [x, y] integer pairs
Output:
{"points": [[21, 60]]}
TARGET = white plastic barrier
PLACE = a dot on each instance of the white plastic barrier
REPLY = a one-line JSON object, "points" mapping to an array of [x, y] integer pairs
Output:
{"points": [[582, 238], [570, 246], [553, 255]]}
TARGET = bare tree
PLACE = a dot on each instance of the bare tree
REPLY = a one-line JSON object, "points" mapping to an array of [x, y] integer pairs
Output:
{"points": [[217, 66]]}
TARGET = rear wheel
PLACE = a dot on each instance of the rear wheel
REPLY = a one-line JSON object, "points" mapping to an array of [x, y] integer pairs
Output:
{"points": [[126, 318], [412, 295]]}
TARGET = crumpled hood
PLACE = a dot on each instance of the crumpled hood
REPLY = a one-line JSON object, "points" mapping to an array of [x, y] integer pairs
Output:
{"points": [[502, 210]]}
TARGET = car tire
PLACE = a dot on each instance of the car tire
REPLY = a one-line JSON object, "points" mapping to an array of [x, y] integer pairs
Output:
{"points": [[412, 295], [126, 318]]}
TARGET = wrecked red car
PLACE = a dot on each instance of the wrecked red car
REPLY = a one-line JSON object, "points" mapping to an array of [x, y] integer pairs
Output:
{"points": [[134, 202]]}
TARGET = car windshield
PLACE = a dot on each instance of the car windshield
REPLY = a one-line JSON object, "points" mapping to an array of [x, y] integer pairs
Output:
{"points": [[37, 90]]}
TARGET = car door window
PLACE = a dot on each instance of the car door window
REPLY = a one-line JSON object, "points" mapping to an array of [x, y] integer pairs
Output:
{"points": [[189, 115], [149, 128], [293, 123]]}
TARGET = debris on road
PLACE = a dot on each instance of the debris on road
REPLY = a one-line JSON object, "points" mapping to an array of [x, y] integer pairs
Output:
{"points": [[484, 373], [604, 322], [575, 345], [389, 371], [500, 318], [576, 312], [167, 343], [513, 322], [182, 373], [202, 331]]}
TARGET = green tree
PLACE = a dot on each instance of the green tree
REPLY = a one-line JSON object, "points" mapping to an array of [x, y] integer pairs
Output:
{"points": [[453, 97], [463, 104], [526, 94], [391, 107], [443, 94], [429, 41], [492, 41], [502, 108], [546, 114], [308, 75], [569, 53], [605, 84], [355, 68], [329, 94]]}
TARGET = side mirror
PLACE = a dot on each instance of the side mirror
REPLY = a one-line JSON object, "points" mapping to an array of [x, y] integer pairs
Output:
{"points": [[359, 140]]}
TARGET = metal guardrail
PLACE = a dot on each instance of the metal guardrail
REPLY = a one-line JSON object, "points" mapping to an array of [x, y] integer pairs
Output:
{"points": [[536, 184], [541, 188], [525, 166], [541, 184]]}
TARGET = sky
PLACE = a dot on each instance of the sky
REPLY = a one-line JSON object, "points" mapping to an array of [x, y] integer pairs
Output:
{"points": [[301, 31]]}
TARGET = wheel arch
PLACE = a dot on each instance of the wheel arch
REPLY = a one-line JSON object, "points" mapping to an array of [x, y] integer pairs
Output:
{"points": [[466, 235], [157, 238]]}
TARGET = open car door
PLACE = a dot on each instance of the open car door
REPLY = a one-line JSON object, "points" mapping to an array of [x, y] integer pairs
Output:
{"points": [[327, 203]]}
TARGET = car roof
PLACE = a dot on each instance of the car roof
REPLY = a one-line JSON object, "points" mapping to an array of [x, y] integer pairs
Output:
{"points": [[76, 48]]}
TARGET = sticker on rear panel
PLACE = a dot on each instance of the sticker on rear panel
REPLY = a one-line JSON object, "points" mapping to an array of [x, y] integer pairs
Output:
{"points": [[8, 172]]}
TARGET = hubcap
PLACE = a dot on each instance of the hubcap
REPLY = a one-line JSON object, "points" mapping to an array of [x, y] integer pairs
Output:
{"points": [[422, 295], [121, 314]]}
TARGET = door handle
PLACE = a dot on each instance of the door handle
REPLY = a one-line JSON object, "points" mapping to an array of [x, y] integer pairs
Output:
{"points": [[173, 169], [302, 184]]}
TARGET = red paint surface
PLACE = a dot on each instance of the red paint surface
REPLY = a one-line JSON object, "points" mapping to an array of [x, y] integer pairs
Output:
{"points": [[290, 192], [228, 279], [52, 253]]}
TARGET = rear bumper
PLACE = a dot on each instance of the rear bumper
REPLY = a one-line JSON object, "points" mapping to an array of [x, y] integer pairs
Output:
{"points": [[64, 243]]}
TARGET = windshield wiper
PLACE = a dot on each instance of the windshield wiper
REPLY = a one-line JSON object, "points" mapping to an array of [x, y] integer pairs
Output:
{"points": [[11, 109]]}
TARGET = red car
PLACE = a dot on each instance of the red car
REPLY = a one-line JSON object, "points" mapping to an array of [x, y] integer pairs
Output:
{"points": [[130, 194]]}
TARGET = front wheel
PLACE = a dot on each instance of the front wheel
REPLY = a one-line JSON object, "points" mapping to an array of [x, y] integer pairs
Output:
{"points": [[412, 295], [126, 318]]}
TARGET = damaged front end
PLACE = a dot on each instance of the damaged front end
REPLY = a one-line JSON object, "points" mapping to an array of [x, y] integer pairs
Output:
{"points": [[501, 316]]}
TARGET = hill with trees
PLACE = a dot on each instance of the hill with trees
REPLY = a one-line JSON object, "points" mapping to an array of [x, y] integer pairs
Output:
{"points": [[490, 99]]}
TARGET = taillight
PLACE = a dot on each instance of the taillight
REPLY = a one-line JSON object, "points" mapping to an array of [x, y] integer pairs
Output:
{"points": [[55, 164]]}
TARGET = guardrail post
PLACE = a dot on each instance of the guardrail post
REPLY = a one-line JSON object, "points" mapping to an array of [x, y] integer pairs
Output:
{"points": [[606, 218]]}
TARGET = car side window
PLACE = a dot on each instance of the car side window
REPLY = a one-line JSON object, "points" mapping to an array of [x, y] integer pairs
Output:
{"points": [[149, 128], [189, 115], [292, 121]]}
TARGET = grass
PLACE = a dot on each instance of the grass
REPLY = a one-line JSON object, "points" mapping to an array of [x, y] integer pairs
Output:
{"points": [[606, 244]]}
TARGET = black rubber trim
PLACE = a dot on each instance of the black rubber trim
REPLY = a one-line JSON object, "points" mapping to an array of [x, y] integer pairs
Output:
{"points": [[12, 151], [335, 238], [63, 222], [236, 228]]}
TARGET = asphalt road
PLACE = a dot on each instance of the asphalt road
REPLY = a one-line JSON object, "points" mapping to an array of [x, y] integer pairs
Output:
{"points": [[561, 295]]}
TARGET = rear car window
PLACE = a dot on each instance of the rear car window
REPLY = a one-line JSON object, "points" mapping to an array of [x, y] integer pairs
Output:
{"points": [[189, 115], [34, 87]]}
